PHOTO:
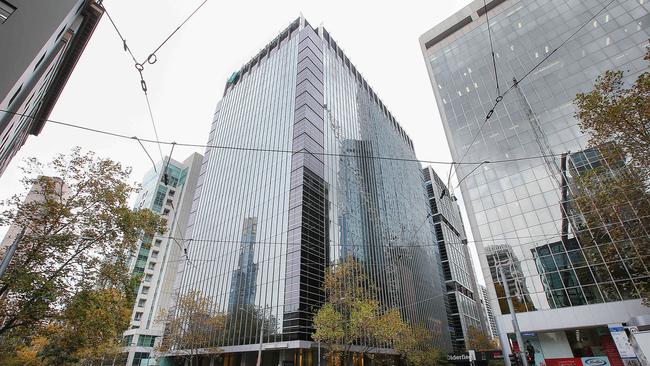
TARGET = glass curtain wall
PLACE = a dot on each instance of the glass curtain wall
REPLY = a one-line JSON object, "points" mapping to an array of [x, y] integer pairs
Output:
{"points": [[544, 219]]}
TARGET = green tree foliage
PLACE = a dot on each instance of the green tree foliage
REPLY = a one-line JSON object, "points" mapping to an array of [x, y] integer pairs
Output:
{"points": [[611, 201], [353, 322], [192, 326], [69, 271], [478, 340]]}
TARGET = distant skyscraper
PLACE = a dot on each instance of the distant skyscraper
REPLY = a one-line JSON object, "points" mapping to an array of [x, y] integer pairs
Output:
{"points": [[157, 257], [568, 278], [36, 194], [327, 200], [463, 296], [489, 315], [40, 43]]}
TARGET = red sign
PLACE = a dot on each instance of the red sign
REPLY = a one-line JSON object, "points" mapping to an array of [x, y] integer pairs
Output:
{"points": [[563, 362]]}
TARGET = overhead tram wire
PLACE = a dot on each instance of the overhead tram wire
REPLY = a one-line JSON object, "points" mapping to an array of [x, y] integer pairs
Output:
{"points": [[239, 148], [501, 96], [152, 58], [126, 47]]}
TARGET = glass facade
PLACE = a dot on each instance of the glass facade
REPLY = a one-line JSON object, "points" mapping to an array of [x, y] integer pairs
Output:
{"points": [[530, 215], [463, 297], [266, 224]]}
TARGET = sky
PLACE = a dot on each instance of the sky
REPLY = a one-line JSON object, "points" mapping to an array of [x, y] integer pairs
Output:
{"points": [[379, 37]]}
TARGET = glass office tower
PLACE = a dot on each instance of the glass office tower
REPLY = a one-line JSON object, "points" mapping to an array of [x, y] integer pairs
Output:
{"points": [[563, 270], [463, 297], [299, 188]]}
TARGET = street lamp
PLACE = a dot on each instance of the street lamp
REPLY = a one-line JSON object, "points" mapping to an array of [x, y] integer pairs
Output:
{"points": [[259, 351], [515, 323]]}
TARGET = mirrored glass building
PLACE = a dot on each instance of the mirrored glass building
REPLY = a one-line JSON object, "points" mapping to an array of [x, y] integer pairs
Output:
{"points": [[298, 185], [573, 263], [464, 309]]}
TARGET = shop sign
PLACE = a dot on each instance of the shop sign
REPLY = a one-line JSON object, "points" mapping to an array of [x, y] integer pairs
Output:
{"points": [[622, 342], [595, 361], [564, 361]]}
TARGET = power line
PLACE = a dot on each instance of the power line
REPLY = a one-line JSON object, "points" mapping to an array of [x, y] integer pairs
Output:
{"points": [[501, 96], [494, 61], [255, 149], [126, 47], [151, 59], [153, 123]]}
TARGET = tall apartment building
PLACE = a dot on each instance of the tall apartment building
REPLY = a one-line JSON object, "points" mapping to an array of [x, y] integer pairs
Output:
{"points": [[571, 291], [157, 258], [463, 295], [487, 310], [38, 194], [41, 42], [291, 215]]}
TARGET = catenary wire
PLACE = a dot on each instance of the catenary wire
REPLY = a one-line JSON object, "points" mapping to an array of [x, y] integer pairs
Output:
{"points": [[126, 47], [494, 61], [152, 55], [239, 148], [501, 96]]}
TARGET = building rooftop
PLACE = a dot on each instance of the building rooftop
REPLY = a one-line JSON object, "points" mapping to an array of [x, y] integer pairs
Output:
{"points": [[324, 34]]}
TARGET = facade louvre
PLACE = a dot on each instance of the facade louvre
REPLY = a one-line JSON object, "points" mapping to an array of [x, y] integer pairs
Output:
{"points": [[463, 296], [326, 200], [525, 215]]}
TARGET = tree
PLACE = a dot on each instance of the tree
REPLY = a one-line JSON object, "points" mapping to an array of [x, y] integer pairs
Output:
{"points": [[192, 327], [352, 320], [614, 115], [78, 236], [478, 340], [610, 200], [416, 347]]}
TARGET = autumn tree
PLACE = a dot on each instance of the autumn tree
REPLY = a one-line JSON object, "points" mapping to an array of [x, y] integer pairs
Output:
{"points": [[610, 199], [416, 347], [192, 327], [352, 320], [612, 114], [74, 238], [478, 340]]}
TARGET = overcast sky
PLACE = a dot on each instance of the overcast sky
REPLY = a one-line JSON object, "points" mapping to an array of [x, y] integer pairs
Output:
{"points": [[379, 37]]}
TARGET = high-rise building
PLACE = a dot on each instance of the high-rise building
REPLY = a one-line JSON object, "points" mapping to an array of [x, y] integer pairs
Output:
{"points": [[489, 315], [463, 296], [41, 42], [301, 189], [167, 190], [567, 286], [39, 193]]}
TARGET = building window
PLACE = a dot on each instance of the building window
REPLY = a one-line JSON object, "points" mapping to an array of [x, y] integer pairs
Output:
{"points": [[147, 278], [128, 339], [171, 192], [6, 10], [154, 254], [166, 211], [152, 265], [141, 303], [158, 242], [169, 202], [137, 317], [17, 91], [139, 356], [145, 290], [146, 340]]}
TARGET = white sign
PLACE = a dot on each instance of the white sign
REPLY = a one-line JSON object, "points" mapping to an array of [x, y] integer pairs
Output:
{"points": [[622, 342]]}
